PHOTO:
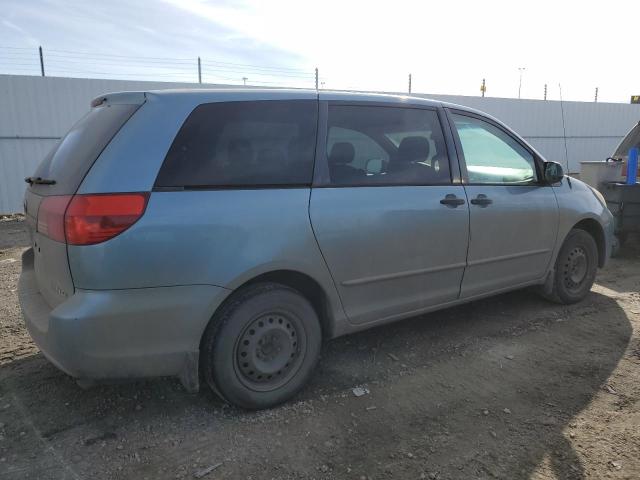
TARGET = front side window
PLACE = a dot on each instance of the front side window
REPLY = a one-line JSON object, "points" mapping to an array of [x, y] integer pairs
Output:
{"points": [[369, 145], [491, 155], [243, 144]]}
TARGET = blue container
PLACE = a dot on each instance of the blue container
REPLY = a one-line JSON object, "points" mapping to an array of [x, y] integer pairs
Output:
{"points": [[632, 166]]}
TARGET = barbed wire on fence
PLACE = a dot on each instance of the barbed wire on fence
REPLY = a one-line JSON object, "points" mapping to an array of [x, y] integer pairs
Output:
{"points": [[197, 70], [62, 62]]}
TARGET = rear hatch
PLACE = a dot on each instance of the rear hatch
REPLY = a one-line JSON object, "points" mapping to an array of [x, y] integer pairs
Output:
{"points": [[55, 181], [631, 140]]}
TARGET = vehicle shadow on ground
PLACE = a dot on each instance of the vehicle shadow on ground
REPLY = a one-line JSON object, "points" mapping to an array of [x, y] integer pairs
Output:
{"points": [[483, 390], [541, 362]]}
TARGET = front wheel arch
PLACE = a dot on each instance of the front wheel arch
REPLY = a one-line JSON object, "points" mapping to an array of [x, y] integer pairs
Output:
{"points": [[593, 228], [558, 286]]}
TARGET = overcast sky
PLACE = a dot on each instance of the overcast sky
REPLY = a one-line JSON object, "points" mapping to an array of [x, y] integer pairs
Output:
{"points": [[448, 46]]}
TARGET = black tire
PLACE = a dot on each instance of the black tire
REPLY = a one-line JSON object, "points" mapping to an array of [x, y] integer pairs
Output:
{"points": [[575, 269], [262, 346]]}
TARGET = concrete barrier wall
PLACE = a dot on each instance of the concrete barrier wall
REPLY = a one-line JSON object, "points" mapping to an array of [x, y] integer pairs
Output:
{"points": [[35, 112]]}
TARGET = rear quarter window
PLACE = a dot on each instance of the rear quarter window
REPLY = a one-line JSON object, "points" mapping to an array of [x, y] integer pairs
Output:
{"points": [[248, 143]]}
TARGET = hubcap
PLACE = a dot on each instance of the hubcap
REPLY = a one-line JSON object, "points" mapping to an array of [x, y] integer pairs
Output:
{"points": [[268, 351], [576, 268]]}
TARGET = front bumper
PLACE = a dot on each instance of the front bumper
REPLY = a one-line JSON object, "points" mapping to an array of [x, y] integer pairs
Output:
{"points": [[609, 238], [115, 334]]}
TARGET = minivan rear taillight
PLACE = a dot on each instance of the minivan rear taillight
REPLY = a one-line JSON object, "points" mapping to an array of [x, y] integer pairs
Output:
{"points": [[89, 218], [51, 216]]}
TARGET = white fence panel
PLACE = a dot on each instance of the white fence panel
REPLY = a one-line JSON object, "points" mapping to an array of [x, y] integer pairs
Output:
{"points": [[36, 111]]}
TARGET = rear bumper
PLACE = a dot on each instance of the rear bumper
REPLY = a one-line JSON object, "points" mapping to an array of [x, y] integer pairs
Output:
{"points": [[115, 334]]}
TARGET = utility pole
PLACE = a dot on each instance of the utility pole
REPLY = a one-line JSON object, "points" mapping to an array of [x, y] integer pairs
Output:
{"points": [[244, 79], [596, 99], [316, 78], [41, 61], [521, 69], [545, 91], [199, 71], [409, 83], [483, 87]]}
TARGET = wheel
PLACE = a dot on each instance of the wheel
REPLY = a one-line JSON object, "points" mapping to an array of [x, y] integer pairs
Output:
{"points": [[576, 267], [262, 346]]}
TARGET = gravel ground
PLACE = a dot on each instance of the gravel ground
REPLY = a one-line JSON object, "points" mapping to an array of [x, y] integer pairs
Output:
{"points": [[510, 387]]}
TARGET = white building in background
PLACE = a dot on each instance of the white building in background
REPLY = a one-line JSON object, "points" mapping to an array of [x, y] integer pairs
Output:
{"points": [[35, 112]]}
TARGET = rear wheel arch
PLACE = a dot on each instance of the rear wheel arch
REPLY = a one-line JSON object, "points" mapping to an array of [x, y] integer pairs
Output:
{"points": [[306, 285]]}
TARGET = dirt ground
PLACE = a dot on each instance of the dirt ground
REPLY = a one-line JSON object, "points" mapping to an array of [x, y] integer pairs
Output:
{"points": [[510, 387]]}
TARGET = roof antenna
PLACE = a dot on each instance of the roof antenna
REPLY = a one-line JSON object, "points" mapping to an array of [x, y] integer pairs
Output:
{"points": [[564, 129]]}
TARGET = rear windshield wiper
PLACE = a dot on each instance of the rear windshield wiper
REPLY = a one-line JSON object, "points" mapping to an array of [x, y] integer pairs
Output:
{"points": [[39, 181]]}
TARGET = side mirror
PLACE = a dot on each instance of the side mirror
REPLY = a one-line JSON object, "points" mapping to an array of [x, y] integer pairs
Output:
{"points": [[553, 172]]}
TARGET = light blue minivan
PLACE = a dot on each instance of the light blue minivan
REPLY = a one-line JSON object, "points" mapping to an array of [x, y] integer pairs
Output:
{"points": [[220, 235]]}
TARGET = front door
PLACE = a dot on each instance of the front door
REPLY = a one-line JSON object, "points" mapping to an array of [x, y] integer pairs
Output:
{"points": [[390, 223], [513, 214]]}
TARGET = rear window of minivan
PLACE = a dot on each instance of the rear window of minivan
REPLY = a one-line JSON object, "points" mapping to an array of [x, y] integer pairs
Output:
{"points": [[247, 143], [70, 160]]}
